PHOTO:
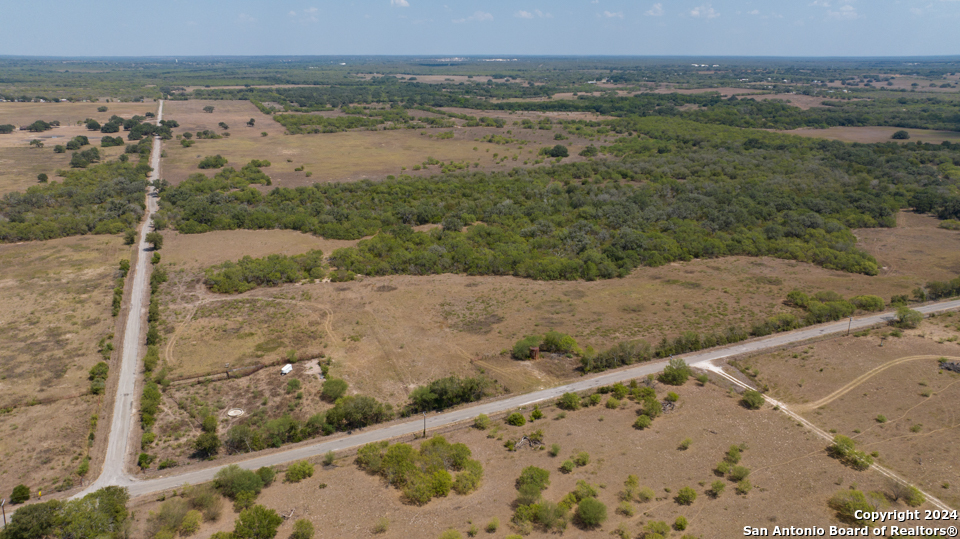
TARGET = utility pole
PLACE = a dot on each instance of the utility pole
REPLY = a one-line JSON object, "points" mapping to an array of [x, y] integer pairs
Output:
{"points": [[3, 501], [424, 425], [849, 326]]}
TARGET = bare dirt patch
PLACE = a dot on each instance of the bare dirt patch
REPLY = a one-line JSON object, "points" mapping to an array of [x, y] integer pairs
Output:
{"points": [[194, 250], [904, 409], [786, 462]]}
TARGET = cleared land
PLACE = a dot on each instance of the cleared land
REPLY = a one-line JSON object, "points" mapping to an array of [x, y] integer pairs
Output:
{"points": [[786, 462], [875, 134], [57, 302], [916, 245], [892, 399], [346, 156]]}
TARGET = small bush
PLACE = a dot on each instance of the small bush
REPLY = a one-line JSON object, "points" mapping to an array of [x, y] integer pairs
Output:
{"points": [[493, 525], [717, 487], [913, 497], [212, 161], [685, 444], [613, 403], [191, 523], [739, 473], [752, 399], [686, 496], [626, 509], [329, 458], [881, 418], [21, 493], [744, 487], [333, 389], [450, 534], [267, 474], [298, 471], [302, 529], [642, 422], [516, 419], [554, 450], [581, 459], [233, 480], [646, 494], [381, 525], [482, 422], [680, 524], [569, 401], [567, 466]]}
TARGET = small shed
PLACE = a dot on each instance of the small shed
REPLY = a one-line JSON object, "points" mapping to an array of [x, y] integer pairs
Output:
{"points": [[287, 369]]}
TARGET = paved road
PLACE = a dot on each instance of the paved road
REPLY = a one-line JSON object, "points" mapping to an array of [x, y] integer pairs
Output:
{"points": [[703, 359], [118, 442]]}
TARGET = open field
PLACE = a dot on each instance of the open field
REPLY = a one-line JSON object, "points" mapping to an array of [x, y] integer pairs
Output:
{"points": [[916, 245], [892, 399], [20, 165], [388, 334], [867, 135], [57, 301], [42, 445], [345, 156], [786, 462]]}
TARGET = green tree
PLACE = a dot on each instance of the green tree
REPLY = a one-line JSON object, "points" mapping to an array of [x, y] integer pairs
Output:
{"points": [[42, 178], [155, 239], [224, 126], [232, 480], [36, 143], [902, 134], [209, 424], [21, 493], [516, 419], [208, 109], [298, 471], [676, 372], [207, 444], [908, 318], [257, 522], [569, 401], [686, 496], [302, 529], [591, 512], [251, 122]]}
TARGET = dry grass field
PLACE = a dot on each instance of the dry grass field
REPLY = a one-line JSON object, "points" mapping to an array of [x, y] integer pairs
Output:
{"points": [[389, 334], [893, 399], [786, 462], [867, 135], [917, 247], [57, 300], [345, 156]]}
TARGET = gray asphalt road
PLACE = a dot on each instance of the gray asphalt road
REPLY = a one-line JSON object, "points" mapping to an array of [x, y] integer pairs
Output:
{"points": [[138, 488], [114, 467]]}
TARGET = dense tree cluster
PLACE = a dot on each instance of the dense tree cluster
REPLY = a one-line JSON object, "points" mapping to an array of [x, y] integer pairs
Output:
{"points": [[447, 392], [103, 199], [99, 514], [248, 273]]}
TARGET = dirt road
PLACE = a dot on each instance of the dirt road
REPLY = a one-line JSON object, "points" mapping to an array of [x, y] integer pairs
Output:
{"points": [[124, 407]]}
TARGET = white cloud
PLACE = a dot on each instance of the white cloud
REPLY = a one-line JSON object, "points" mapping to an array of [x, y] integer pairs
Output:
{"points": [[399, 3], [308, 15], [246, 19], [479, 16], [754, 12], [705, 11], [536, 13], [656, 10], [845, 13], [613, 15], [595, 2]]}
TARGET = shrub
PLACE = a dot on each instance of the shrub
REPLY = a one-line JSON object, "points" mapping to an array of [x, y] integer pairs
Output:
{"points": [[516, 419], [537, 413], [381, 525], [901, 134], [733, 455], [591, 512], [333, 389], [680, 524], [233, 480], [702, 379], [554, 450], [642, 422], [21, 493], [675, 373], [212, 161], [191, 523], [847, 502], [744, 487], [657, 528], [613, 403], [717, 487], [626, 509], [567, 466], [646, 494], [752, 399], [267, 474], [298, 471], [482, 422], [686, 496], [450, 534], [302, 529], [537, 477], [257, 522], [207, 444], [913, 497], [739, 473], [844, 449], [521, 349], [205, 500], [581, 459], [569, 401], [685, 444], [672, 397], [908, 318], [868, 303]]}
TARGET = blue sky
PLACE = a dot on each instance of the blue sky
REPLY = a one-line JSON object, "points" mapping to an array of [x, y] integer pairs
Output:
{"points": [[490, 27]]}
